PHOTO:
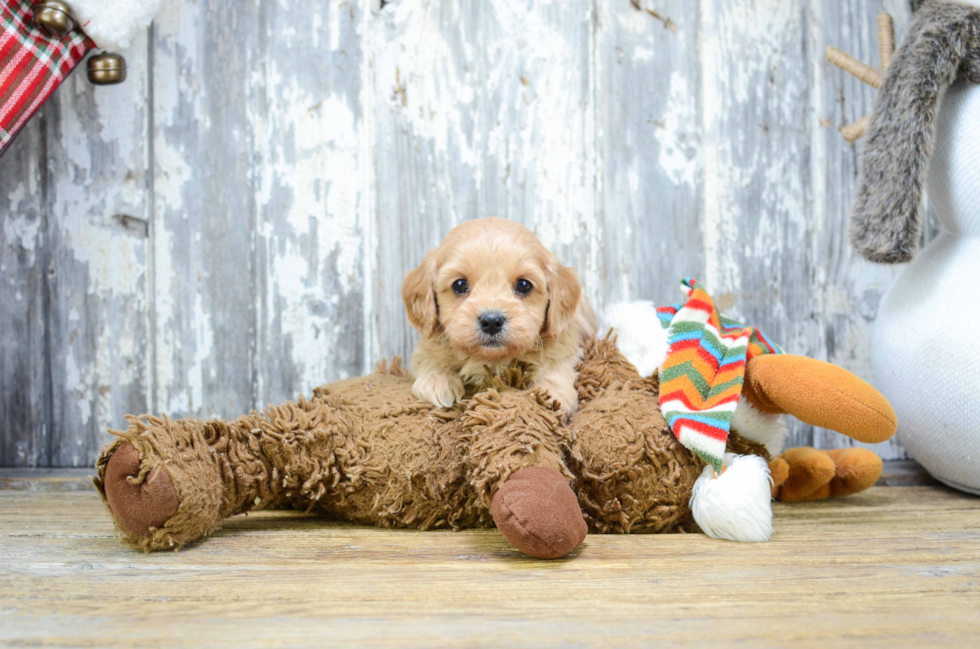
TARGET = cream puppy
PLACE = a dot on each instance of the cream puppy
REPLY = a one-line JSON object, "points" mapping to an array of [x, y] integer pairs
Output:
{"points": [[488, 297]]}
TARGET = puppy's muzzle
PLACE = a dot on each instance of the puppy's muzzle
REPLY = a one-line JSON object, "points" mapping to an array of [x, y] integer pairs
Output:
{"points": [[492, 322]]}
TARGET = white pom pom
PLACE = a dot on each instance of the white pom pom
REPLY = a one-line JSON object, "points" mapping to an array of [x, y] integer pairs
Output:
{"points": [[737, 505], [114, 25]]}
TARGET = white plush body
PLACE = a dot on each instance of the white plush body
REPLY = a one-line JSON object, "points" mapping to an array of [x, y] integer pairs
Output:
{"points": [[114, 25], [925, 356], [736, 505], [639, 335]]}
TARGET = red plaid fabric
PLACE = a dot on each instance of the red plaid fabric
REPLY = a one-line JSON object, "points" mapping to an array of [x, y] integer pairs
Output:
{"points": [[32, 65]]}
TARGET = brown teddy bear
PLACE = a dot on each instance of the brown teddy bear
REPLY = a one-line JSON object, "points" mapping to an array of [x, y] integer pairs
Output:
{"points": [[366, 450]]}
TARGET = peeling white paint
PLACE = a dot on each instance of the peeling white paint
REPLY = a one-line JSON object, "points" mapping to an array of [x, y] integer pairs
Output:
{"points": [[678, 134], [203, 344], [22, 231], [480, 109], [368, 207], [115, 265], [173, 172], [164, 349], [415, 71], [716, 196], [642, 54], [734, 165], [310, 182]]}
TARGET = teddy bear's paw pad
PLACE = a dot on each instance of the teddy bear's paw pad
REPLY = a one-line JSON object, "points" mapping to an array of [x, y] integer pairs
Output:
{"points": [[138, 506], [538, 513]]}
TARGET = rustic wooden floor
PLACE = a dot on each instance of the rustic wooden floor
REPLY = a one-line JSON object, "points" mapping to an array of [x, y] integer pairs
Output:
{"points": [[894, 565]]}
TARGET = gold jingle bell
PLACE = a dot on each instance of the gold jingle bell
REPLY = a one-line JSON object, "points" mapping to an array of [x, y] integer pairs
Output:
{"points": [[53, 18], [106, 69]]}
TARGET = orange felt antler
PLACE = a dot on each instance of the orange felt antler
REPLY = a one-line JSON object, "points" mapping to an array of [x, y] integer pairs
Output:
{"points": [[820, 394], [865, 73]]}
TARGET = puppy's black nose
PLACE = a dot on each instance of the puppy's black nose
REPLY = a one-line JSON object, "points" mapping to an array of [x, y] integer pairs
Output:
{"points": [[492, 322]]}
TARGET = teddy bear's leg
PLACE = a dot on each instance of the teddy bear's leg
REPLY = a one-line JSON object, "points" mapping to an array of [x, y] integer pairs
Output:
{"points": [[538, 513], [855, 469], [161, 482], [140, 506], [515, 458], [216, 469], [812, 474]]}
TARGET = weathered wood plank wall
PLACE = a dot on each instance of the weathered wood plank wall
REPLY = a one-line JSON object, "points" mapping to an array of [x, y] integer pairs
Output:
{"points": [[230, 227], [73, 261]]}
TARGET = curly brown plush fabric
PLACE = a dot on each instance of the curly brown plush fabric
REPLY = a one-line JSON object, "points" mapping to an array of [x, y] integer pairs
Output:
{"points": [[365, 450], [942, 45]]}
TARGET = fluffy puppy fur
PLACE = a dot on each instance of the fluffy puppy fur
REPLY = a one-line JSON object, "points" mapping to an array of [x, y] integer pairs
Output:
{"points": [[497, 268], [942, 45]]}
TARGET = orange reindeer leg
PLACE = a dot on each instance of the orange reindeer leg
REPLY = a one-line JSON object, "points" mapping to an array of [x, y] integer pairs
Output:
{"points": [[805, 473], [856, 470], [778, 474], [810, 473]]}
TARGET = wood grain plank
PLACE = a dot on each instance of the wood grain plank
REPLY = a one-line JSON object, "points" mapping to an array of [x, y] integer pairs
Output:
{"points": [[843, 291], [25, 395], [98, 240], [650, 170], [204, 277], [754, 93], [33, 479], [482, 109], [263, 212], [78, 299], [892, 565], [311, 168]]}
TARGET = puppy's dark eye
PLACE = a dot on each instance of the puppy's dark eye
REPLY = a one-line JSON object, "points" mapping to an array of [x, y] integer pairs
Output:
{"points": [[523, 286], [460, 287]]}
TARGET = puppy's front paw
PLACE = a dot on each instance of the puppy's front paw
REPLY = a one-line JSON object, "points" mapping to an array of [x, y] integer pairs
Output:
{"points": [[564, 396], [441, 389]]}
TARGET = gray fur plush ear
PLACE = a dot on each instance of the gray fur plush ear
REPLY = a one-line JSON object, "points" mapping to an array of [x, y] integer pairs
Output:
{"points": [[942, 45]]}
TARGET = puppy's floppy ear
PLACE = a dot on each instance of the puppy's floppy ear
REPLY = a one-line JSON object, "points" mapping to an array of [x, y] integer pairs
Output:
{"points": [[564, 292], [419, 295]]}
